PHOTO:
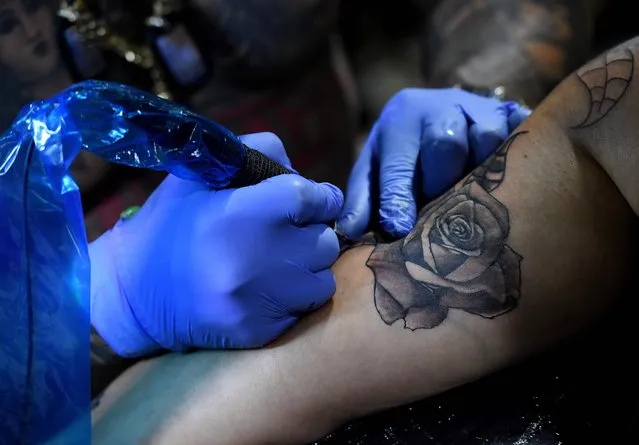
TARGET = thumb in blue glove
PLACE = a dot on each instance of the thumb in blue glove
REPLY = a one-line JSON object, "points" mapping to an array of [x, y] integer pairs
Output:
{"points": [[216, 269], [424, 141]]}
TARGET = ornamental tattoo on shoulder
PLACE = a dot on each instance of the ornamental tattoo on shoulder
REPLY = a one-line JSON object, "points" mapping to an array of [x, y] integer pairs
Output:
{"points": [[456, 257], [607, 79]]}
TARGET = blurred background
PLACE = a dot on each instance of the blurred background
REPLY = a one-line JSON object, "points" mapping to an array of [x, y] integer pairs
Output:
{"points": [[317, 73]]}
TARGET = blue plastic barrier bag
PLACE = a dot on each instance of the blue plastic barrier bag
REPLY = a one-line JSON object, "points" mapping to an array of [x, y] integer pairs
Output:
{"points": [[44, 263], [44, 296]]}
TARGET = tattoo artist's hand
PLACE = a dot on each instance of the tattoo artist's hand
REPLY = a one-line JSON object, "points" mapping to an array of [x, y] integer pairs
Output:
{"points": [[424, 141], [216, 269]]}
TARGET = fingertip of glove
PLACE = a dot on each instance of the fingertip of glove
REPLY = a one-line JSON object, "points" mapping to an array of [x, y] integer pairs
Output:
{"points": [[335, 191], [397, 224], [351, 225], [517, 113], [396, 229]]}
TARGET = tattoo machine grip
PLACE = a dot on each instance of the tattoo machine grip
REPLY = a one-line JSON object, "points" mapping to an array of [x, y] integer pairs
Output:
{"points": [[257, 168]]}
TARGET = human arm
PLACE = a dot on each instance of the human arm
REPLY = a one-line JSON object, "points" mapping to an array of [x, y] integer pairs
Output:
{"points": [[570, 242]]}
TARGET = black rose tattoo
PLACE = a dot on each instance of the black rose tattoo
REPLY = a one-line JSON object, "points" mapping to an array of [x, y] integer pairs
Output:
{"points": [[455, 258]]}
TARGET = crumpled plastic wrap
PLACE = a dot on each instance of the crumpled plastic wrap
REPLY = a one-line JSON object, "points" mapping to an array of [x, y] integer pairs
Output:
{"points": [[45, 273], [127, 126], [44, 295]]}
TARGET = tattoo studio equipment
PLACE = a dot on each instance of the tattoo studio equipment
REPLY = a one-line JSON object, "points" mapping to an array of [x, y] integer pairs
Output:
{"points": [[45, 274]]}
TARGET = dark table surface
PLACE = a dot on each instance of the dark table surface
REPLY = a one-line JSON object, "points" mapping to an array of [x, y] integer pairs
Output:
{"points": [[586, 392]]}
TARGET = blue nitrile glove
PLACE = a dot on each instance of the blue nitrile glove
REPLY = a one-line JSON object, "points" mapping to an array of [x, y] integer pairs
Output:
{"points": [[431, 135], [216, 269]]}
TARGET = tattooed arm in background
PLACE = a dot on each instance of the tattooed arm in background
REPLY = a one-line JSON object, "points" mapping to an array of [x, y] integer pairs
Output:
{"points": [[526, 46], [527, 250]]}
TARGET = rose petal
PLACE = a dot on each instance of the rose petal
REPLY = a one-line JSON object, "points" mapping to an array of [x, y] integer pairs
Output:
{"points": [[480, 296], [493, 245], [464, 209], [426, 276], [414, 251], [472, 268], [502, 289], [493, 228], [447, 260], [387, 264], [430, 219], [413, 234], [490, 214], [481, 196], [425, 317], [429, 256], [387, 307]]}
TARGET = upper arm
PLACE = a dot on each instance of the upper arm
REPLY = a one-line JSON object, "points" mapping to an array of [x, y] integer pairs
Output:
{"points": [[603, 113]]}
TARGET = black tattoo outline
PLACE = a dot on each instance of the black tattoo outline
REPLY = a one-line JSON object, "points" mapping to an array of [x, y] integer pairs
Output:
{"points": [[456, 257], [604, 81]]}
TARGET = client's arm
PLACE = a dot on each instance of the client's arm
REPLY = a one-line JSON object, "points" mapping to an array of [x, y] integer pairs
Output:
{"points": [[521, 254]]}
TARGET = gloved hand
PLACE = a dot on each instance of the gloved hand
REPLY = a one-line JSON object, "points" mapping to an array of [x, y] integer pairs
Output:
{"points": [[216, 269], [424, 140]]}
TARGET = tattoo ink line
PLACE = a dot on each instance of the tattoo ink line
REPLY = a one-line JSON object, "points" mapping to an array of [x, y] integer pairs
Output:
{"points": [[606, 83]]}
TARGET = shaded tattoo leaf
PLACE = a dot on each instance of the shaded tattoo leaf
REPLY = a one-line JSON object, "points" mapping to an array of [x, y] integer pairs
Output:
{"points": [[398, 295], [492, 172]]}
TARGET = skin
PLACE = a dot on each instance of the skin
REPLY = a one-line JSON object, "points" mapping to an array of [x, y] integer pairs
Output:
{"points": [[565, 196]]}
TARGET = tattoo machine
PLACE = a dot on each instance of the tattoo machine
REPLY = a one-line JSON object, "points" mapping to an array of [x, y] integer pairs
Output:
{"points": [[45, 269], [124, 125], [127, 126]]}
